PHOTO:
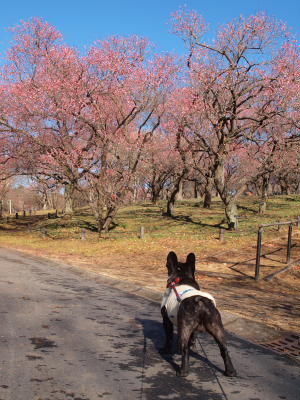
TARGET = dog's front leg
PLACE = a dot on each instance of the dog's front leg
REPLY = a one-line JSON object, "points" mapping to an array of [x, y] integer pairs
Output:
{"points": [[169, 330]]}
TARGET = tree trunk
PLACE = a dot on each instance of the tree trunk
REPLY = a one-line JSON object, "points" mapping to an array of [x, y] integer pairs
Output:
{"points": [[231, 213], [208, 193], [155, 192], [164, 194], [44, 198], [179, 194], [172, 198], [109, 217], [69, 199], [171, 201], [104, 222], [264, 195], [170, 207], [229, 199], [283, 188], [99, 226], [197, 193]]}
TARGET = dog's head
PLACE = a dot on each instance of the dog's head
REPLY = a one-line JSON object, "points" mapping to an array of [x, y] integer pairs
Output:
{"points": [[181, 271]]}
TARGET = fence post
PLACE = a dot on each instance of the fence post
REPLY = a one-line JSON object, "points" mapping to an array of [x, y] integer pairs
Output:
{"points": [[221, 234], [289, 244], [258, 254], [83, 234], [44, 232], [236, 225], [142, 232]]}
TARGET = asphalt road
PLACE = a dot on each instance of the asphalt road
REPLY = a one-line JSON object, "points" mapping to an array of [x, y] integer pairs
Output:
{"points": [[68, 335]]}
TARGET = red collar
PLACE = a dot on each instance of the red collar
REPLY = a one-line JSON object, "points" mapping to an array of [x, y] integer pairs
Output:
{"points": [[175, 282]]}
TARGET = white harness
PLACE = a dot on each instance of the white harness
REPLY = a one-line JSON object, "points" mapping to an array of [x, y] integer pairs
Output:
{"points": [[172, 304]]}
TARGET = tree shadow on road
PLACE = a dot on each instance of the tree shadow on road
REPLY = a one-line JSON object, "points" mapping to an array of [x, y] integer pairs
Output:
{"points": [[153, 330], [161, 382]]}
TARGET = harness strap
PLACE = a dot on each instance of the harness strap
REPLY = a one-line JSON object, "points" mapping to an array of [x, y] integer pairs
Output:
{"points": [[173, 286]]}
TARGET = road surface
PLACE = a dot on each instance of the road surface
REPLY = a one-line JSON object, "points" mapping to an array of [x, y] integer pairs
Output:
{"points": [[65, 335]]}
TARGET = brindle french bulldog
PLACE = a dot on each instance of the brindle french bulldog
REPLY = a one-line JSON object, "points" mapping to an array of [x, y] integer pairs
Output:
{"points": [[192, 310]]}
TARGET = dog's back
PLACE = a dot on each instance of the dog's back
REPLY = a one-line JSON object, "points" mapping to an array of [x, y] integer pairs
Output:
{"points": [[171, 302]]}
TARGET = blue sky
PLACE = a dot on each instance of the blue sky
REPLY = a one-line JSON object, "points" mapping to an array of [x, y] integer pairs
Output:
{"points": [[83, 22]]}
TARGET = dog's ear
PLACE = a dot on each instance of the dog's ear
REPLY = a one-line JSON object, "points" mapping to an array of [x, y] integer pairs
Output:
{"points": [[191, 265], [172, 263], [191, 259]]}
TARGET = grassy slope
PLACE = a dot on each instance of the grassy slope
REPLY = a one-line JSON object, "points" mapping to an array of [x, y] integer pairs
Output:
{"points": [[193, 227]]}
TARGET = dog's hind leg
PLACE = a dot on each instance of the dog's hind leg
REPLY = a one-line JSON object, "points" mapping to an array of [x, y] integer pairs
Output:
{"points": [[169, 330], [193, 337], [216, 329], [185, 334]]}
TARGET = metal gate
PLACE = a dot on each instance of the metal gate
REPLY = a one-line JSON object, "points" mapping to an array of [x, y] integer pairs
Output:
{"points": [[288, 246]]}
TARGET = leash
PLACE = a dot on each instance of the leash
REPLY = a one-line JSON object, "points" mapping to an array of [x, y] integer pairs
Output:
{"points": [[213, 370]]}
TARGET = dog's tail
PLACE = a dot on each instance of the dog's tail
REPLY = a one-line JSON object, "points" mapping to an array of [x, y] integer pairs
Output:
{"points": [[207, 301], [206, 296]]}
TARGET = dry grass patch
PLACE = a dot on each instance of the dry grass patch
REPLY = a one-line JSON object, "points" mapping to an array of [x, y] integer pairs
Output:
{"points": [[224, 268]]}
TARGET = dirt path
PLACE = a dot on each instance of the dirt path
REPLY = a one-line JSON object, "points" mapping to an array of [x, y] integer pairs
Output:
{"points": [[275, 303], [227, 274]]}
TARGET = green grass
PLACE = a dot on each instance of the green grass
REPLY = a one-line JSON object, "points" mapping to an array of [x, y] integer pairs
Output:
{"points": [[191, 224]]}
